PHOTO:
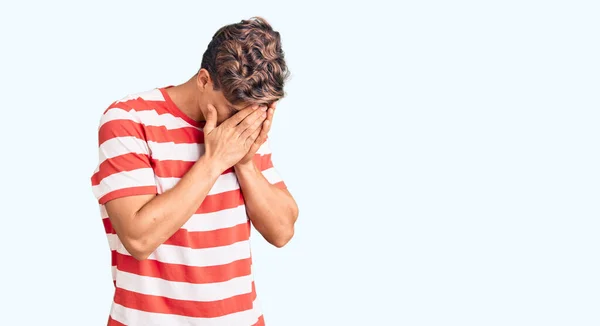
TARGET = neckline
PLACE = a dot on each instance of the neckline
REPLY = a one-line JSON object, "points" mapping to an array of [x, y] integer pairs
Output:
{"points": [[176, 111]]}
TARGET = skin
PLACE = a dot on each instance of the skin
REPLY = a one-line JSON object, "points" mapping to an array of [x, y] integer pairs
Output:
{"points": [[232, 135]]}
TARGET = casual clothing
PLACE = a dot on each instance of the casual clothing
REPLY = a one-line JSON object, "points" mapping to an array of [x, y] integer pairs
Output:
{"points": [[202, 275]]}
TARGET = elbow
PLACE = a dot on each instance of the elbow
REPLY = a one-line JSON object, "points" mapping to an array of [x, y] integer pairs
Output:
{"points": [[283, 237], [295, 213], [287, 233], [140, 255], [138, 249]]}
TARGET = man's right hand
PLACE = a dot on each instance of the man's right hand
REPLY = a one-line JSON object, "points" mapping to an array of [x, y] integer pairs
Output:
{"points": [[228, 143]]}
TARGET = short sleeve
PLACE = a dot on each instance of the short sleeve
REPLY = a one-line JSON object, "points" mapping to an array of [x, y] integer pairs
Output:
{"points": [[124, 167], [263, 160]]}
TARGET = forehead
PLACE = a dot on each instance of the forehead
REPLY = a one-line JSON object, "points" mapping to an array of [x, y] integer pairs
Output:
{"points": [[236, 107], [239, 106]]}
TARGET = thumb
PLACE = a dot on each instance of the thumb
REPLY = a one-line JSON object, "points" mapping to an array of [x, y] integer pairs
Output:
{"points": [[211, 119]]}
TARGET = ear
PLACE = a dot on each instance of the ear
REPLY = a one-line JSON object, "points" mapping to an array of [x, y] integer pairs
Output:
{"points": [[202, 79]]}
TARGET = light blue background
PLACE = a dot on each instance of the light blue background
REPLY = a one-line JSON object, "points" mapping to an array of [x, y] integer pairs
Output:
{"points": [[444, 156]]}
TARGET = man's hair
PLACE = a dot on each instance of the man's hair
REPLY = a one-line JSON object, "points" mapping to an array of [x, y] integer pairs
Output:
{"points": [[246, 62]]}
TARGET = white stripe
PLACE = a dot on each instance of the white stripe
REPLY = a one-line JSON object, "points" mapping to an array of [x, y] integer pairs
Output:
{"points": [[224, 183], [133, 317], [150, 95], [169, 121], [182, 290], [120, 146], [118, 114], [198, 257], [165, 184], [264, 149], [126, 179], [113, 241], [272, 175], [103, 212], [114, 272], [178, 152], [222, 219]]}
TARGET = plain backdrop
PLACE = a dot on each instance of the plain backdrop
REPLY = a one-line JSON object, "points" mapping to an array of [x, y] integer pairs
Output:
{"points": [[444, 155]]}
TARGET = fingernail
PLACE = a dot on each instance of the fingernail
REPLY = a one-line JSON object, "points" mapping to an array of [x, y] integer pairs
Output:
{"points": [[264, 108]]}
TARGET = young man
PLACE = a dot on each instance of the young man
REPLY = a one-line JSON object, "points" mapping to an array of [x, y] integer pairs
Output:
{"points": [[184, 171]]}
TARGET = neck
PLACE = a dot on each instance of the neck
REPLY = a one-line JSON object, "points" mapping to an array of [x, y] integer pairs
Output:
{"points": [[185, 97]]}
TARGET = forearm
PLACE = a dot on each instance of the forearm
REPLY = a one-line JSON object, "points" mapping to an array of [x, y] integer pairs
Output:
{"points": [[272, 210], [161, 217]]}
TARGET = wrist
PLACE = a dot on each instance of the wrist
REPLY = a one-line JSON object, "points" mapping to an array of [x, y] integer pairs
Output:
{"points": [[213, 166], [245, 167]]}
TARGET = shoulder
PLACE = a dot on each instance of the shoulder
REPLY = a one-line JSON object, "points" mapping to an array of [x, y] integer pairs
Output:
{"points": [[133, 106]]}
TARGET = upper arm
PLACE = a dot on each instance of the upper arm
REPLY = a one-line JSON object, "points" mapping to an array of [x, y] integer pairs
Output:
{"points": [[124, 178], [122, 212]]}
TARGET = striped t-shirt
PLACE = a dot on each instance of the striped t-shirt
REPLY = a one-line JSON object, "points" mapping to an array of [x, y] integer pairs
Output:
{"points": [[202, 275]]}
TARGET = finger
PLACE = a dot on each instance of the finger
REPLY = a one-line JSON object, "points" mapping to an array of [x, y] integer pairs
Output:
{"points": [[270, 114], [258, 116], [273, 105], [240, 116], [267, 125], [264, 131], [211, 119], [252, 139], [271, 111], [253, 127]]}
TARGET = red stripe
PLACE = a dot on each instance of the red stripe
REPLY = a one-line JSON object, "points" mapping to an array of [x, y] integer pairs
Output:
{"points": [[162, 168], [209, 239], [205, 309], [280, 185], [221, 201], [112, 322], [183, 273], [174, 169], [140, 104], [120, 128], [211, 203], [266, 163], [136, 104], [108, 228], [171, 168], [160, 106], [133, 191], [134, 161], [263, 162], [121, 163], [160, 134], [260, 322]]}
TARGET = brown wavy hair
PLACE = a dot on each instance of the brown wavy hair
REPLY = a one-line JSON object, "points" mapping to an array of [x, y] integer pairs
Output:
{"points": [[246, 62]]}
